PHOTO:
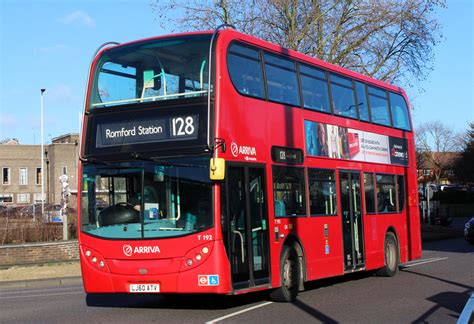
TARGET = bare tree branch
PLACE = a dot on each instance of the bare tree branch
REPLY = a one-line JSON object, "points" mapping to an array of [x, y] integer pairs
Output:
{"points": [[390, 40]]}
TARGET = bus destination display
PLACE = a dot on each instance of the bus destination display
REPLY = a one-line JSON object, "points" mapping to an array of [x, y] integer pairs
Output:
{"points": [[144, 131]]}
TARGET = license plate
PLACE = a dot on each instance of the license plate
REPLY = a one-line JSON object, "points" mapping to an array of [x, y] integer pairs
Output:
{"points": [[144, 288]]}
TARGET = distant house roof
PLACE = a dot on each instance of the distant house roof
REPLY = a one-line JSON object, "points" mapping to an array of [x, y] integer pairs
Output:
{"points": [[447, 158], [10, 141], [66, 138]]}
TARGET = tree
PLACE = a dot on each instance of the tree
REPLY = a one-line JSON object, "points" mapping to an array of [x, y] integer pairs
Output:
{"points": [[385, 39], [464, 166], [437, 146]]}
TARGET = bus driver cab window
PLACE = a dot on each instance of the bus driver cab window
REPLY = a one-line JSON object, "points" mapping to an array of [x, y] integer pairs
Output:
{"points": [[150, 200]]}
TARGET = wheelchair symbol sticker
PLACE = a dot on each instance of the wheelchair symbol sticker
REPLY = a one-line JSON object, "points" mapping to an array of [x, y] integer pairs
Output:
{"points": [[208, 280]]}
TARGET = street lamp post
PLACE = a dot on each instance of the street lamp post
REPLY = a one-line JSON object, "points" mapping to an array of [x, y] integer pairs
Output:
{"points": [[42, 157]]}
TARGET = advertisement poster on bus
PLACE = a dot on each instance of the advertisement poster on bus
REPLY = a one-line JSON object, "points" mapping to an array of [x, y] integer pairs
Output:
{"points": [[351, 144], [372, 147]]}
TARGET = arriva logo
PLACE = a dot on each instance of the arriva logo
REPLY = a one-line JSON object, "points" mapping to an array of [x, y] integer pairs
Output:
{"points": [[129, 251], [234, 149], [249, 152]]}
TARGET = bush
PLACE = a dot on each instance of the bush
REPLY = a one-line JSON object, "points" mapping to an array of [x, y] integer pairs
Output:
{"points": [[16, 229]]}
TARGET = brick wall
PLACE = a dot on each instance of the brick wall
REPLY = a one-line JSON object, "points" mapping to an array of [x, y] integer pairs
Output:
{"points": [[36, 253]]}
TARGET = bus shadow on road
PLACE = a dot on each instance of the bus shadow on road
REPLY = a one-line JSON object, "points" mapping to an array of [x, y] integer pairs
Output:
{"points": [[450, 300], [171, 301], [456, 245], [321, 283], [206, 301]]}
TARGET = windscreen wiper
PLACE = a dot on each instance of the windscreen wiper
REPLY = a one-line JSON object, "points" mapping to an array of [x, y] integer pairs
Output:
{"points": [[140, 157], [94, 161]]}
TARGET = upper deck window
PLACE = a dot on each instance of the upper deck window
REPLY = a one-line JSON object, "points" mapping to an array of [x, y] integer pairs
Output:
{"points": [[362, 101], [343, 96], [245, 69], [314, 87], [282, 81], [399, 112], [379, 106], [154, 70]]}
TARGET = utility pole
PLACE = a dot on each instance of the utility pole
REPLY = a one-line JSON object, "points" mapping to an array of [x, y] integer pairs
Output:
{"points": [[42, 157]]}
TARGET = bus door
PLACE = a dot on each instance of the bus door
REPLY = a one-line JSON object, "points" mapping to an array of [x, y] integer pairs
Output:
{"points": [[352, 227], [246, 224]]}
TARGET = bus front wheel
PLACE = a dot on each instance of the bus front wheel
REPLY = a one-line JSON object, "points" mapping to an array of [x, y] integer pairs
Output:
{"points": [[390, 256], [289, 276]]}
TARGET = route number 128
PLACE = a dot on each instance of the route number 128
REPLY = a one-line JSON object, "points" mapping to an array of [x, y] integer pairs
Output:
{"points": [[182, 126]]}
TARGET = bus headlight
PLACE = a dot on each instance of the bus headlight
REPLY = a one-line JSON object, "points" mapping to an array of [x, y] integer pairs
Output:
{"points": [[196, 256], [94, 259]]}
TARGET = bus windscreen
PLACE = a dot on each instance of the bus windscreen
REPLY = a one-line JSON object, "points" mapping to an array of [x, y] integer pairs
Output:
{"points": [[146, 200], [161, 69]]}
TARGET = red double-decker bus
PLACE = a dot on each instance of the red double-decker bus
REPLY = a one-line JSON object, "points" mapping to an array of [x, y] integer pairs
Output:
{"points": [[216, 162]]}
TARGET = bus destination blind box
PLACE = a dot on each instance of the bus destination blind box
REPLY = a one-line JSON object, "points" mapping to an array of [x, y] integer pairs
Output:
{"points": [[147, 131]]}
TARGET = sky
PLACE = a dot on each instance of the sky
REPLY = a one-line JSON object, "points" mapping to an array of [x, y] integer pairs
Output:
{"points": [[49, 44]]}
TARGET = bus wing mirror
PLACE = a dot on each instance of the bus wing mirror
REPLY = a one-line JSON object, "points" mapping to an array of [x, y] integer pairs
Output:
{"points": [[217, 169]]}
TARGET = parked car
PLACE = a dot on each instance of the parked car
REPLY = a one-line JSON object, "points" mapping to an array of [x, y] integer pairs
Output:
{"points": [[469, 231]]}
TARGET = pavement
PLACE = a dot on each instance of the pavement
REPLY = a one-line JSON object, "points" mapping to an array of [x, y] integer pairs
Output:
{"points": [[39, 276], [69, 273]]}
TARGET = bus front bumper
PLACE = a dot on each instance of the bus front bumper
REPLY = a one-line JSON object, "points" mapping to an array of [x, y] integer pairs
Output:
{"points": [[143, 276]]}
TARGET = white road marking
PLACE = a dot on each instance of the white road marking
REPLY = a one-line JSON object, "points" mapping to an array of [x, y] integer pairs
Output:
{"points": [[43, 295], [420, 262], [237, 313]]}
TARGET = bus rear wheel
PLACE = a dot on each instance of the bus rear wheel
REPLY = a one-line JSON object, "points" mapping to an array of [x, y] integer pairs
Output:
{"points": [[390, 256], [289, 276]]}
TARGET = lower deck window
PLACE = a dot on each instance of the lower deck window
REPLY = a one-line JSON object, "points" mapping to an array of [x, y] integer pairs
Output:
{"points": [[401, 193], [369, 192], [322, 192], [289, 191], [386, 194]]}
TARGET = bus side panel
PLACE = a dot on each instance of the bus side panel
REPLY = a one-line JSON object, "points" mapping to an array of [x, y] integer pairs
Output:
{"points": [[373, 250], [324, 254], [376, 227]]}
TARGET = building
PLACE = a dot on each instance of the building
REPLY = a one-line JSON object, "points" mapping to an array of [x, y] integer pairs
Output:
{"points": [[20, 165], [437, 167]]}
